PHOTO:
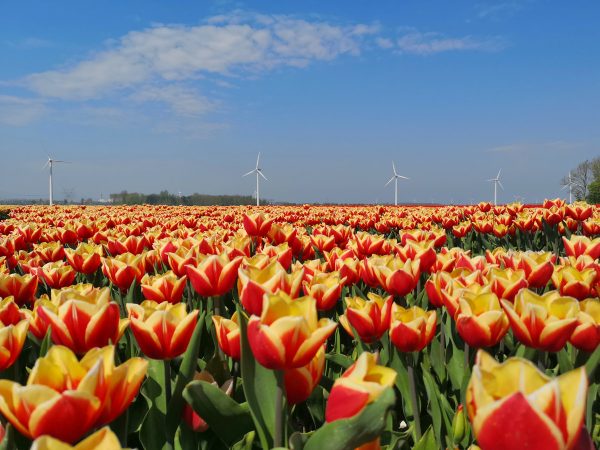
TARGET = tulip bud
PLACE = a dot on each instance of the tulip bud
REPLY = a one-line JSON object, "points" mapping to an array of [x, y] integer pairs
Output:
{"points": [[459, 425]]}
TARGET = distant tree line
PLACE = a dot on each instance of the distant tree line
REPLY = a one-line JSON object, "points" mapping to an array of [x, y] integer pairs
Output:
{"points": [[167, 198], [585, 181]]}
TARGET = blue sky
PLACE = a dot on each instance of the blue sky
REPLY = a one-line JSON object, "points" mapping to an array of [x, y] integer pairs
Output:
{"points": [[148, 95]]}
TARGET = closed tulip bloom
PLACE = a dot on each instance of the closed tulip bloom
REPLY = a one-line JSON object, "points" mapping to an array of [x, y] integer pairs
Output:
{"points": [[398, 277], [544, 413], [21, 287], [582, 245], [50, 251], [162, 330], [325, 288], [300, 382], [348, 269], [10, 313], [257, 225], [544, 322], [103, 439], [575, 283], [86, 258], [370, 318], [538, 267], [368, 244], [12, 339], [282, 253], [453, 291], [82, 322], [506, 283], [288, 333], [57, 274], [254, 283], [480, 320], [228, 335], [180, 259], [163, 288], [412, 329], [121, 270], [214, 275], [362, 383], [65, 398], [586, 335]]}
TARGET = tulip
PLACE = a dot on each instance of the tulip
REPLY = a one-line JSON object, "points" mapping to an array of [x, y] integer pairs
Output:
{"points": [[57, 274], [82, 322], [575, 283], [544, 322], [288, 333], [579, 211], [325, 288], [543, 413], [362, 383], [257, 225], [586, 335], [162, 330], [180, 259], [86, 258], [582, 245], [348, 269], [300, 382], [282, 253], [228, 335], [411, 329], [163, 288], [368, 244], [254, 283], [21, 287], [12, 339], [370, 318], [123, 269], [453, 291], [506, 283], [214, 275], [538, 267], [398, 277], [65, 398], [103, 439], [10, 314], [480, 320], [49, 251]]}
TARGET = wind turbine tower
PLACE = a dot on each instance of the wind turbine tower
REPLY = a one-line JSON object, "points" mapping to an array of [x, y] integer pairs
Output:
{"points": [[258, 171], [497, 183], [395, 180], [49, 164]]}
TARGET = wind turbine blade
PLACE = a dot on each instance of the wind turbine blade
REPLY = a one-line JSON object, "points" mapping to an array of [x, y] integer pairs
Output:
{"points": [[498, 176], [564, 187], [61, 161], [257, 160], [491, 179], [249, 173], [500, 184], [403, 177], [391, 179], [46, 165], [261, 174], [394, 167]]}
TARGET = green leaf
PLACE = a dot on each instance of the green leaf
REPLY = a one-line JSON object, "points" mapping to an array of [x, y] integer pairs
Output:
{"points": [[152, 432], [437, 416], [427, 442], [46, 342], [229, 420], [8, 443], [564, 361], [357, 430], [341, 360], [246, 442], [592, 363], [187, 371], [259, 386]]}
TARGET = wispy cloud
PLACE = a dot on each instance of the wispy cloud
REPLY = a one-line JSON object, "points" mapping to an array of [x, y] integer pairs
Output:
{"points": [[557, 146], [499, 9], [181, 100], [18, 111], [428, 43], [225, 45], [30, 43]]}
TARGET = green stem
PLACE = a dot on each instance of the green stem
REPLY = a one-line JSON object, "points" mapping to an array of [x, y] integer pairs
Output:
{"points": [[167, 367], [279, 409], [413, 398]]}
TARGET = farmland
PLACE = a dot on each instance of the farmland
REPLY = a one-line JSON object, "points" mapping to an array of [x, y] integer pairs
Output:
{"points": [[306, 327]]}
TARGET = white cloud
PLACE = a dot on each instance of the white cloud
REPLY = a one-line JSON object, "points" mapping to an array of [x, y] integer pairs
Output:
{"points": [[183, 101], [18, 111], [497, 9], [225, 45], [428, 43], [384, 42]]}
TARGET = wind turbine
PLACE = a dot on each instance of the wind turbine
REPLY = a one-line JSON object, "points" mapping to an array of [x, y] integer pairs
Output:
{"points": [[395, 180], [258, 172], [49, 164], [497, 183], [570, 186]]}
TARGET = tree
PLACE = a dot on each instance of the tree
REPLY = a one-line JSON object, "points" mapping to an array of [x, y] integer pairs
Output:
{"points": [[581, 177], [594, 192]]}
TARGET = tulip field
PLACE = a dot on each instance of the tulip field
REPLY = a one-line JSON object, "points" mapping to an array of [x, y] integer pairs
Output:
{"points": [[301, 327]]}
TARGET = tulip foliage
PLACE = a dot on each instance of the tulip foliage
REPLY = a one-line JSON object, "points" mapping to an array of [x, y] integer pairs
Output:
{"points": [[301, 327]]}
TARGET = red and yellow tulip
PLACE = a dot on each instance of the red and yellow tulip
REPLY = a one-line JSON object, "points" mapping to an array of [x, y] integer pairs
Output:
{"points": [[480, 320], [300, 382], [86, 258], [411, 329], [214, 275], [370, 318], [586, 335], [166, 287], [228, 335]]}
